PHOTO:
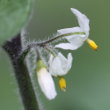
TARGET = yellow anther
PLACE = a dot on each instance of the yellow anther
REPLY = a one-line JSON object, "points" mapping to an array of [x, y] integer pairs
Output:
{"points": [[62, 84], [92, 44]]}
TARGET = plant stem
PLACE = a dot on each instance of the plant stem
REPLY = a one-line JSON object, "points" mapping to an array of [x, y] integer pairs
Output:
{"points": [[13, 49], [59, 36], [42, 44]]}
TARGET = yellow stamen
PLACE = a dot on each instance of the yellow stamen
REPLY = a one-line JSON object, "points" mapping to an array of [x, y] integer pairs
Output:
{"points": [[62, 84], [92, 44]]}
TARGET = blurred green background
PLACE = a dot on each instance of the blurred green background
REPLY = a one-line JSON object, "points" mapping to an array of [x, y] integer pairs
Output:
{"points": [[88, 82]]}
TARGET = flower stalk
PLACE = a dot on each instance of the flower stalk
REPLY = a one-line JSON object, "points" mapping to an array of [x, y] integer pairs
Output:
{"points": [[42, 44]]}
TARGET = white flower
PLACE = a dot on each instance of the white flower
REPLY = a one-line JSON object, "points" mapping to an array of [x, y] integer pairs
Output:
{"points": [[46, 83], [59, 65], [75, 41]]}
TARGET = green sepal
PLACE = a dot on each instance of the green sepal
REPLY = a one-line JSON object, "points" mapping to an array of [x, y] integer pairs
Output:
{"points": [[40, 64]]}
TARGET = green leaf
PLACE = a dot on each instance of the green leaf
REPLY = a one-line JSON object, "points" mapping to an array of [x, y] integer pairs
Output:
{"points": [[14, 15]]}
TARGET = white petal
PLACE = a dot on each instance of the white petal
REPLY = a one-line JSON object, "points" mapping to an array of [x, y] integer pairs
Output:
{"points": [[72, 37], [82, 20], [46, 84], [60, 65], [66, 46], [69, 30], [62, 57], [51, 59], [55, 67], [69, 64], [66, 63], [76, 41]]}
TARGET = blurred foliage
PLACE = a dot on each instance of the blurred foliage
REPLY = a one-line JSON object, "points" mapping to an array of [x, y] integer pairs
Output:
{"points": [[89, 79], [13, 16]]}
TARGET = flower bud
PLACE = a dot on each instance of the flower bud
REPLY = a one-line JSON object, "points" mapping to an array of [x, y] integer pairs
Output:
{"points": [[45, 81]]}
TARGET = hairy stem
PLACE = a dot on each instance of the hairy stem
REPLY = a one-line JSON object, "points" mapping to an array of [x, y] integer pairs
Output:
{"points": [[13, 49], [42, 44], [58, 37]]}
